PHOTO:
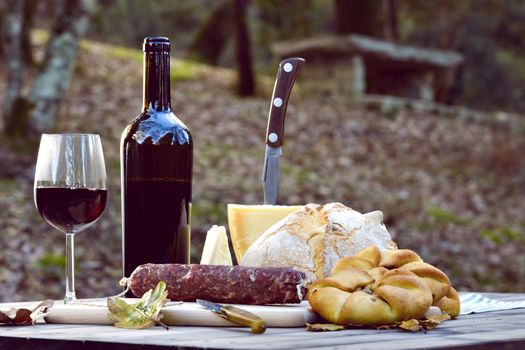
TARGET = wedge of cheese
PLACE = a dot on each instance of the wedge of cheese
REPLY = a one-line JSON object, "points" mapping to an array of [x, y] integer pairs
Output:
{"points": [[248, 222], [216, 250]]}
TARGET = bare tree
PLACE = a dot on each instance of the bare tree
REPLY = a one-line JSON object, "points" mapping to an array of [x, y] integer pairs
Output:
{"points": [[228, 19], [27, 25], [246, 84], [53, 81], [393, 23], [36, 112], [358, 16], [212, 37], [13, 11], [452, 17]]}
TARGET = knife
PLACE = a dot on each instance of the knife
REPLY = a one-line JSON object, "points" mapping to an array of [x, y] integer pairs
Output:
{"points": [[236, 315], [284, 81]]}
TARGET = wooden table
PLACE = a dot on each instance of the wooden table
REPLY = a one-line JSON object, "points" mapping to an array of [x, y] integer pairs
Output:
{"points": [[503, 329]]}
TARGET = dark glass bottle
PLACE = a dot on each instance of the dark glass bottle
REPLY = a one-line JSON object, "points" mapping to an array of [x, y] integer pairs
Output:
{"points": [[156, 172]]}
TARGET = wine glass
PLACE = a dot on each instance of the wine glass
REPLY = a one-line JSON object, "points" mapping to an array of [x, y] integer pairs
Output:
{"points": [[70, 189]]}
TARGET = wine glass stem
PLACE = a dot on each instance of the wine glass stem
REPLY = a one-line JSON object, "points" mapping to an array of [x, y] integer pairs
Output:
{"points": [[70, 269]]}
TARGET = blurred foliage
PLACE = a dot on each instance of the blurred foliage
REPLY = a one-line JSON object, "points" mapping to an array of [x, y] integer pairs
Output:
{"points": [[450, 188], [502, 235], [184, 70], [52, 265], [489, 33], [446, 217], [276, 20], [495, 61], [128, 22]]}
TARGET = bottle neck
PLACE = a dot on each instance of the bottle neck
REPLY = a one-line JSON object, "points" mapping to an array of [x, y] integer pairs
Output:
{"points": [[157, 81]]}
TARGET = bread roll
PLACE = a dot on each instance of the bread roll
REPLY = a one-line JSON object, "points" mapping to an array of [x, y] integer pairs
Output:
{"points": [[377, 287], [374, 297], [314, 238]]}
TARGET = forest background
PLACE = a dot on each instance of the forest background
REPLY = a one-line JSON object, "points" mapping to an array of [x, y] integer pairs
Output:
{"points": [[450, 186]]}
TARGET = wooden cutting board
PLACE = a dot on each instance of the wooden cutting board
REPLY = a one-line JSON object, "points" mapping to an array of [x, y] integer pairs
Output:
{"points": [[185, 314]]}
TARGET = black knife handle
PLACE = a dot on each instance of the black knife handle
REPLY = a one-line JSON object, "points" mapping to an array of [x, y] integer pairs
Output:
{"points": [[286, 75]]}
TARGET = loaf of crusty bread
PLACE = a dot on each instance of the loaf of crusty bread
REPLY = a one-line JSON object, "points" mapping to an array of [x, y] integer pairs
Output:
{"points": [[315, 237]]}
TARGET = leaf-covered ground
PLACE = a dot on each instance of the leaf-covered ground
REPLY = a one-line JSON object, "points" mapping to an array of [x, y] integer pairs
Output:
{"points": [[451, 190]]}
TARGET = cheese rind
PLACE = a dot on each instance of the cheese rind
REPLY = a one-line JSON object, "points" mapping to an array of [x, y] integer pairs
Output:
{"points": [[216, 250], [248, 222]]}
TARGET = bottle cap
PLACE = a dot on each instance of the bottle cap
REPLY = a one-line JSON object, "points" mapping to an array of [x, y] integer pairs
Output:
{"points": [[156, 44]]}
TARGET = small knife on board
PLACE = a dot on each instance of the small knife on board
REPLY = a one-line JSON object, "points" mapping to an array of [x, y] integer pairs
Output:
{"points": [[236, 315], [284, 81]]}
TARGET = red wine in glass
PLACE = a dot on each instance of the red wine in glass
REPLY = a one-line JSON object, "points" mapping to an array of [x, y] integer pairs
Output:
{"points": [[70, 189], [70, 209]]}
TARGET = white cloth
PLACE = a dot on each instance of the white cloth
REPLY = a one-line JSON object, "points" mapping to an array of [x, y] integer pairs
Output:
{"points": [[476, 303]]}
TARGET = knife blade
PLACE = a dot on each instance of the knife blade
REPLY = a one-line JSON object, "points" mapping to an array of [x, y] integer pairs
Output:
{"points": [[284, 81], [236, 315]]}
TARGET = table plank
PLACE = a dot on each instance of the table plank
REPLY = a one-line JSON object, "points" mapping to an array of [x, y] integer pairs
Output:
{"points": [[477, 331]]}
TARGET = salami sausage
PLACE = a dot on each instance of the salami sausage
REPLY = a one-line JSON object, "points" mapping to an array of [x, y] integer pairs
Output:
{"points": [[223, 284]]}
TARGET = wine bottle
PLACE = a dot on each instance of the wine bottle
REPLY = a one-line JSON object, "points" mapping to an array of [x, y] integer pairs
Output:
{"points": [[156, 172]]}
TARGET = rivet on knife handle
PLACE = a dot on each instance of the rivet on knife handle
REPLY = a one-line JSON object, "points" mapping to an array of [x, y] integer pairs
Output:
{"points": [[286, 75]]}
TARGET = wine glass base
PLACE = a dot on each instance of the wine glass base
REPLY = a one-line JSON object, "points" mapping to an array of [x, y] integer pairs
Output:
{"points": [[70, 298]]}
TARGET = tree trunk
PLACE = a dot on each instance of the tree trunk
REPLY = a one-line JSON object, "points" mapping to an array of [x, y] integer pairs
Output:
{"points": [[3, 14], [454, 16], [11, 36], [393, 26], [27, 25], [358, 16], [212, 36], [246, 82], [50, 85]]}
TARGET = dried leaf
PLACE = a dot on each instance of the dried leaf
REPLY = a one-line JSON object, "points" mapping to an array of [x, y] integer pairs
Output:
{"points": [[433, 321], [145, 313], [127, 315], [25, 317], [7, 317], [22, 317], [412, 325], [439, 318], [40, 311], [323, 327], [387, 326]]}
